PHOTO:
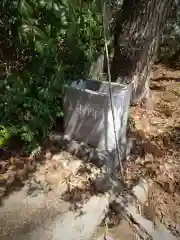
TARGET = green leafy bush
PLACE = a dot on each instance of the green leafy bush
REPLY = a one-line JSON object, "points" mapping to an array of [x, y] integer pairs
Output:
{"points": [[44, 45], [169, 50]]}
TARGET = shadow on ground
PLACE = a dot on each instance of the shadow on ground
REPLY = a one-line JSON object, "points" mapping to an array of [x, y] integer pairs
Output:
{"points": [[16, 168], [151, 152]]}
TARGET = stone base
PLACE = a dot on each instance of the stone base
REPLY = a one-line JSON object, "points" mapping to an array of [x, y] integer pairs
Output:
{"points": [[86, 152]]}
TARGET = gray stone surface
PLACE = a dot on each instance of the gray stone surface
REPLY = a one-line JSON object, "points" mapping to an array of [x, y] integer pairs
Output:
{"points": [[141, 190], [88, 115], [122, 231], [46, 217], [157, 232], [127, 206]]}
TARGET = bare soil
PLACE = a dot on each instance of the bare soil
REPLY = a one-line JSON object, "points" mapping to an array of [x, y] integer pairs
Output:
{"points": [[156, 154]]}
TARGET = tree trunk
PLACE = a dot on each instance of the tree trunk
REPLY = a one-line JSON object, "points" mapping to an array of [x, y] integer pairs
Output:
{"points": [[136, 38]]}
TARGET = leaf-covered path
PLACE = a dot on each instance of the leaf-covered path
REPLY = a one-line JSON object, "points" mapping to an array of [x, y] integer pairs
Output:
{"points": [[157, 152]]}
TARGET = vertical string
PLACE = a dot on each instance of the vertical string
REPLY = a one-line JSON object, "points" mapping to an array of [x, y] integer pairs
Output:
{"points": [[110, 88]]}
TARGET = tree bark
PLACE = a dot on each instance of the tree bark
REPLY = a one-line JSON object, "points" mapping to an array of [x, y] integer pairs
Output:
{"points": [[136, 38]]}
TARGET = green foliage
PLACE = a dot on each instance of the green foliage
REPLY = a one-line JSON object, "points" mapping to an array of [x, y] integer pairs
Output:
{"points": [[44, 45], [170, 44], [4, 135]]}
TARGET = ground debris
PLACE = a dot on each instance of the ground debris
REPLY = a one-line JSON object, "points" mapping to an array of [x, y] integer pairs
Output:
{"points": [[156, 155]]}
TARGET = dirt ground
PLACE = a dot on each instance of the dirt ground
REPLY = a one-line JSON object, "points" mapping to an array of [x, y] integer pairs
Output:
{"points": [[57, 170], [156, 156], [157, 152]]}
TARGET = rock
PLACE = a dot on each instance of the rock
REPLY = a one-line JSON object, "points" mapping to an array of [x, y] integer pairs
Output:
{"points": [[73, 147], [34, 187], [98, 157], [84, 151], [59, 140], [103, 184], [141, 190]]}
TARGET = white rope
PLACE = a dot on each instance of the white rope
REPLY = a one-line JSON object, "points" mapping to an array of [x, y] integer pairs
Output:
{"points": [[110, 89]]}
